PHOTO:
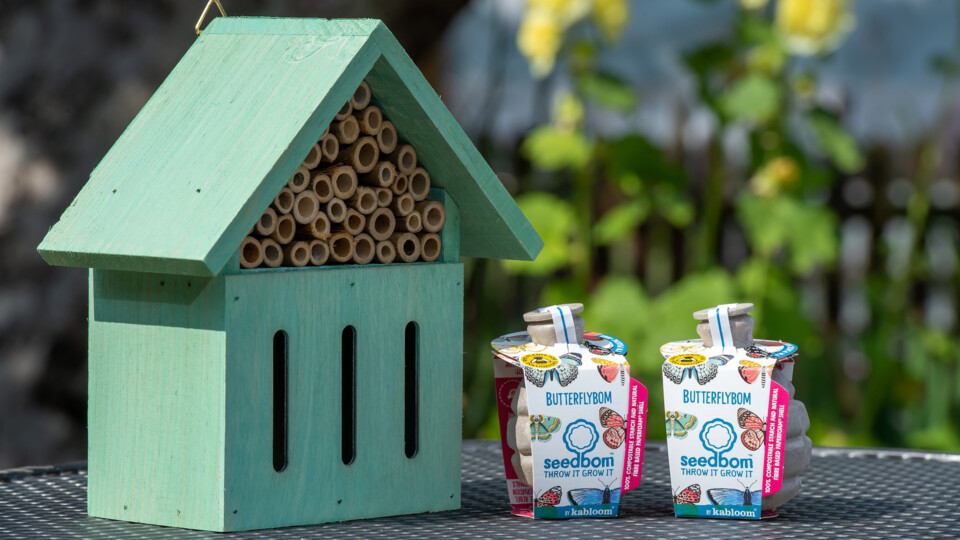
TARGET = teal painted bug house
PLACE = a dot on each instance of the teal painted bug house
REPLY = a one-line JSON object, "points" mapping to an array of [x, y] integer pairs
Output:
{"points": [[230, 398]]}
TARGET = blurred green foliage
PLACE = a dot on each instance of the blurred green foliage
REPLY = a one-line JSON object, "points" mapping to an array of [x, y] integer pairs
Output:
{"points": [[611, 210]]}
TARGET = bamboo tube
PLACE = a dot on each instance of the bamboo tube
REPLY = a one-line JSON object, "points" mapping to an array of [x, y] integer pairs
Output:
{"points": [[430, 247], [296, 254], [345, 111], [313, 157], [386, 252], [361, 97], [381, 176], [319, 228], [364, 249], [434, 215], [283, 202], [322, 187], [326, 131], [353, 223], [404, 157], [387, 137], [300, 179], [346, 131], [341, 247], [344, 180], [400, 184], [272, 253], [381, 224], [370, 120], [286, 228], [306, 207], [319, 252], [251, 253], [364, 200], [384, 197], [408, 246], [267, 222], [336, 210], [329, 147], [361, 155], [412, 222], [402, 205], [419, 184]]}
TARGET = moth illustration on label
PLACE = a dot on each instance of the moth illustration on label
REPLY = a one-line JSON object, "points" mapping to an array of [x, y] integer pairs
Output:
{"points": [[755, 434], [609, 370], [615, 433], [539, 367], [694, 366], [692, 346], [689, 495], [542, 427], [552, 497], [679, 424], [734, 497], [750, 371], [594, 496]]}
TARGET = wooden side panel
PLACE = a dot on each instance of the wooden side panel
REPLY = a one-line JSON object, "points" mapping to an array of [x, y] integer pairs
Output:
{"points": [[450, 235], [156, 391], [492, 225], [313, 307]]}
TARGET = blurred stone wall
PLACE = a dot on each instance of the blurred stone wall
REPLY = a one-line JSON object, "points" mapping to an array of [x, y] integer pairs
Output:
{"points": [[73, 74]]}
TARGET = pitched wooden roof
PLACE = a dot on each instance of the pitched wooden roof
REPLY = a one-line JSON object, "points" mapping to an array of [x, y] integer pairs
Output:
{"points": [[202, 160]]}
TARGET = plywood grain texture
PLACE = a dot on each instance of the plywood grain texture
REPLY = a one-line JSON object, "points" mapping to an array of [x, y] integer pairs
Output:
{"points": [[316, 486], [204, 157], [156, 417]]}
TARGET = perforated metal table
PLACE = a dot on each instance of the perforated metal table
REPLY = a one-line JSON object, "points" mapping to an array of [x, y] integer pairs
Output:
{"points": [[846, 493]]}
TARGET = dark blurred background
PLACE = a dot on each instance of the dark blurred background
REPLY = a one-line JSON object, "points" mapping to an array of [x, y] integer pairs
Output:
{"points": [[799, 154]]}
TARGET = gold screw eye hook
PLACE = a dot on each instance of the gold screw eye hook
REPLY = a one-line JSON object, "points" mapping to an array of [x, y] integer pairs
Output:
{"points": [[204, 14]]}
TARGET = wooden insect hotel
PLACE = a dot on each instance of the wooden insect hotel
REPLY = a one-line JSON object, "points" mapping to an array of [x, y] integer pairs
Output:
{"points": [[247, 367]]}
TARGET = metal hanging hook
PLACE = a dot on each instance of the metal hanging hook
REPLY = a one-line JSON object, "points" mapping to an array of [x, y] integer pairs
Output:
{"points": [[204, 14]]}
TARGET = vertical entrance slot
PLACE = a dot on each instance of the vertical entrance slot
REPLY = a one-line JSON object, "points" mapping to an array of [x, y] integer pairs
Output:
{"points": [[411, 359], [348, 395], [280, 354]]}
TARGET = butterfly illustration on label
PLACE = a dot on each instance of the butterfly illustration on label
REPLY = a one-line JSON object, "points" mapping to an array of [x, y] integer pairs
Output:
{"points": [[690, 495], [679, 424], [690, 346], [755, 434], [615, 433], [694, 366], [609, 370], [594, 496], [539, 367], [734, 497], [542, 427], [757, 352], [572, 358], [552, 497], [750, 371]]}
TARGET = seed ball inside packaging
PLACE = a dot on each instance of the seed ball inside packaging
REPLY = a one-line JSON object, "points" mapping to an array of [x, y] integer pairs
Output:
{"points": [[572, 421], [735, 434]]}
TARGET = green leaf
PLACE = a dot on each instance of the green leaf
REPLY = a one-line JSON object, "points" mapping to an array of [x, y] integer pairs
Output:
{"points": [[620, 221], [607, 91], [619, 306], [673, 206], [754, 98], [836, 143], [947, 65], [635, 155], [550, 149], [554, 219], [808, 232]]}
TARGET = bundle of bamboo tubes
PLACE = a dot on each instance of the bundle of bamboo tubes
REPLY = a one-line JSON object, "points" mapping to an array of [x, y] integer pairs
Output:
{"points": [[359, 197]]}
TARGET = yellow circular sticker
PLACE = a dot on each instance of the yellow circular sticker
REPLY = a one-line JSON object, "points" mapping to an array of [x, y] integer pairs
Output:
{"points": [[687, 359], [603, 362], [539, 360]]}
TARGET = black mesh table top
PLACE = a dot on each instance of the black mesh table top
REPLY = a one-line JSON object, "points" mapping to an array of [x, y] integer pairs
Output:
{"points": [[846, 493]]}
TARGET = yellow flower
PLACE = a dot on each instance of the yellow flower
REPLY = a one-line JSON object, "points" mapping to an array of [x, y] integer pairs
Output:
{"points": [[539, 40], [611, 16], [753, 4], [567, 112], [779, 173], [813, 26], [566, 12]]}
